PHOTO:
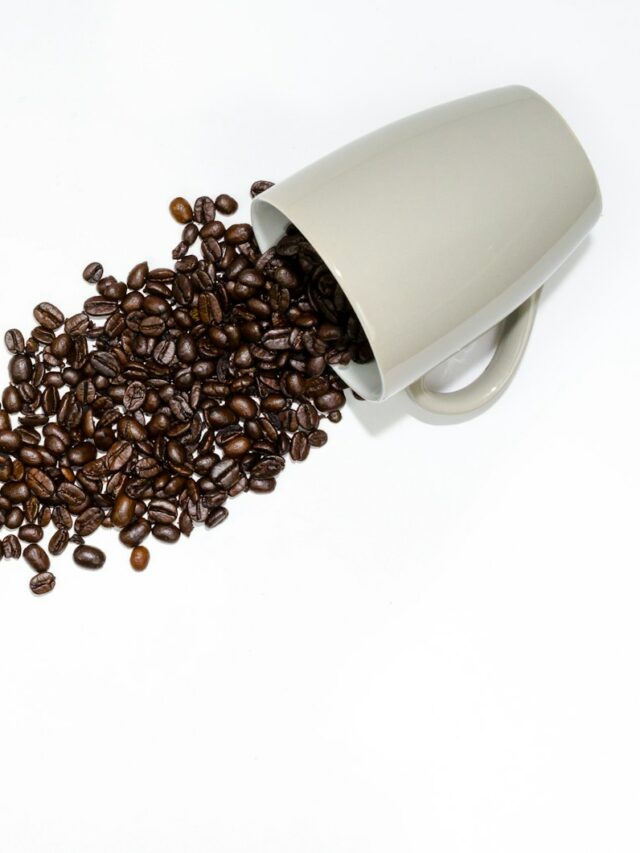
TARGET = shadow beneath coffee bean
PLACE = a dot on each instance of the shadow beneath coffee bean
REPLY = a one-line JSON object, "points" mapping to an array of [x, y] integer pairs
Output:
{"points": [[457, 371]]}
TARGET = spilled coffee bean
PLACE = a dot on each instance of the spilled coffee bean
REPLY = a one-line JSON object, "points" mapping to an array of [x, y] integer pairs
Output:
{"points": [[171, 391]]}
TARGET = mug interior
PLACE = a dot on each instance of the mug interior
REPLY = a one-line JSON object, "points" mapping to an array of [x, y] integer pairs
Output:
{"points": [[269, 225]]}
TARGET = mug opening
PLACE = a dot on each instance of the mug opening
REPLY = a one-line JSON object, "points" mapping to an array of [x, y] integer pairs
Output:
{"points": [[269, 225]]}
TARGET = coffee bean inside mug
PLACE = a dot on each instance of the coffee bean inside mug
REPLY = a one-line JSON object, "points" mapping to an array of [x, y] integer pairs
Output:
{"points": [[170, 392]]}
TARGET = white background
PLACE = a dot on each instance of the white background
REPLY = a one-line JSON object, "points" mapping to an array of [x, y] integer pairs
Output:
{"points": [[429, 637]]}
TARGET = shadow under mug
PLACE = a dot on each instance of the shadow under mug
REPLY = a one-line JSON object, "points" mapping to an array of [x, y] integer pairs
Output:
{"points": [[438, 227]]}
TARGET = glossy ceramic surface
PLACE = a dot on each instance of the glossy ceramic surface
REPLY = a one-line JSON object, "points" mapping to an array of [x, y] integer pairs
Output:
{"points": [[439, 226]]}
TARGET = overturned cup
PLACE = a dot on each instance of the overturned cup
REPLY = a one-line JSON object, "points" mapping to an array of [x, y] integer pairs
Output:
{"points": [[486, 197]]}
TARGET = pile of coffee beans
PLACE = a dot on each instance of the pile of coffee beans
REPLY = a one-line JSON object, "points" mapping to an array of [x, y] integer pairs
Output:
{"points": [[170, 392]]}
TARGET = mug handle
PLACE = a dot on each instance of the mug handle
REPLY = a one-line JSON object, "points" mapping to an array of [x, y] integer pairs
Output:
{"points": [[496, 376]]}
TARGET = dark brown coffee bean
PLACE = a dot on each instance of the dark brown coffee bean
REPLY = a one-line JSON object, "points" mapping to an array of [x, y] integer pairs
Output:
{"points": [[98, 306], [152, 326], [42, 583], [262, 486], [93, 272], [242, 405], [135, 533], [58, 542], [123, 510], [237, 446], [258, 187], [166, 532], [48, 315], [39, 483], [139, 558], [89, 557], [216, 516], [11, 547], [240, 232], [226, 204], [318, 438], [268, 467], [14, 341], [119, 455], [89, 521], [37, 558], [330, 401], [14, 518], [204, 209], [20, 368], [299, 447], [134, 396], [30, 533], [307, 417]]}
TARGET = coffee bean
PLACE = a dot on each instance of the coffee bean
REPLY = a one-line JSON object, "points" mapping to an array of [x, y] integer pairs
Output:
{"points": [[14, 341], [42, 583], [89, 557], [139, 558], [299, 447], [48, 315], [93, 272], [135, 533], [58, 542], [123, 510], [307, 417], [263, 485], [119, 455], [30, 533], [216, 516], [258, 187], [181, 210], [166, 532], [330, 401], [37, 558], [204, 209], [241, 232], [11, 547], [89, 521], [318, 438], [226, 204]]}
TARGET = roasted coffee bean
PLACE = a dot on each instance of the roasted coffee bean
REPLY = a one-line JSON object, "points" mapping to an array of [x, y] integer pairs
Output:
{"points": [[238, 233], [89, 521], [30, 533], [135, 533], [123, 510], [37, 558], [330, 401], [299, 446], [14, 518], [119, 455], [93, 272], [139, 558], [166, 532], [268, 467], [307, 417], [258, 187], [181, 210], [204, 209], [89, 557], [318, 438], [48, 315], [216, 516], [11, 547], [262, 486], [226, 204], [14, 341], [58, 542], [42, 583], [20, 368], [242, 405]]}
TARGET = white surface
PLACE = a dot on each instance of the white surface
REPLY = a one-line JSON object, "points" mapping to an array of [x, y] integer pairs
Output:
{"points": [[439, 651]]}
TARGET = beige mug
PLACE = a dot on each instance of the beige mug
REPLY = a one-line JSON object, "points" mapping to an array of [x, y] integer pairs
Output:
{"points": [[438, 227]]}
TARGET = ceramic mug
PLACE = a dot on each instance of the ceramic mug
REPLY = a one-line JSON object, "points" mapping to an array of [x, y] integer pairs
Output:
{"points": [[439, 226]]}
